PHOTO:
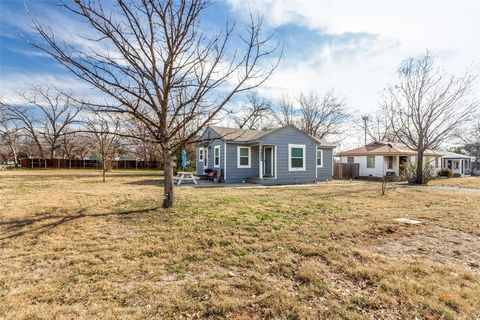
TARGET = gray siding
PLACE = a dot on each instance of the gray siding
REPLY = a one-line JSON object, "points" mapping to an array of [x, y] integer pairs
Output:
{"points": [[327, 170], [210, 134], [233, 173], [281, 139]]}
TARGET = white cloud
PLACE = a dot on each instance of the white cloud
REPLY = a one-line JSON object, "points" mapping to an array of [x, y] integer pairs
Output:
{"points": [[13, 84], [374, 38]]}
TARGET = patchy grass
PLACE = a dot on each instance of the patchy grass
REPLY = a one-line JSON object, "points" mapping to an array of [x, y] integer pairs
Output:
{"points": [[464, 182], [74, 247]]}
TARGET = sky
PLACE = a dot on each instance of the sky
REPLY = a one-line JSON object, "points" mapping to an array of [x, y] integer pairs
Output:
{"points": [[352, 47]]}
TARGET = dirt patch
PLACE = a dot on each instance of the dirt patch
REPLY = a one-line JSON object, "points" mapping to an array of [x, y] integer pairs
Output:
{"points": [[432, 243]]}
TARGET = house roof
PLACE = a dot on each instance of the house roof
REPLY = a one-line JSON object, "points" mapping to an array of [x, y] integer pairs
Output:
{"points": [[385, 148], [455, 155], [240, 135], [246, 135]]}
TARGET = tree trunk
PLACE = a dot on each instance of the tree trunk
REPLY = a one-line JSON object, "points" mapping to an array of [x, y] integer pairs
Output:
{"points": [[104, 169], [419, 179], [168, 197]]}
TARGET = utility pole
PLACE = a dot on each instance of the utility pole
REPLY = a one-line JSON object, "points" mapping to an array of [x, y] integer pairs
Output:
{"points": [[365, 119]]}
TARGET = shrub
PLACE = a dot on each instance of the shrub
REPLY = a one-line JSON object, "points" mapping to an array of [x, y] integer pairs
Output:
{"points": [[410, 172], [445, 172]]}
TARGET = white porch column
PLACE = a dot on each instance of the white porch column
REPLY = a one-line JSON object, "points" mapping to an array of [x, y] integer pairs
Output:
{"points": [[260, 162]]}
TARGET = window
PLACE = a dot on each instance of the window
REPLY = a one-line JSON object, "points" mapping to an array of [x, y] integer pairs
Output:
{"points": [[243, 157], [436, 163], [350, 160], [205, 157], [319, 158], [371, 162], [390, 162], [200, 155], [296, 157], [216, 156]]}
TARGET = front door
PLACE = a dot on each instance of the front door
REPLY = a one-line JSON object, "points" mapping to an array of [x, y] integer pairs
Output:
{"points": [[267, 162]]}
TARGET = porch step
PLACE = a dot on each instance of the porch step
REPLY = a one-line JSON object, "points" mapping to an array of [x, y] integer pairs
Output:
{"points": [[255, 180]]}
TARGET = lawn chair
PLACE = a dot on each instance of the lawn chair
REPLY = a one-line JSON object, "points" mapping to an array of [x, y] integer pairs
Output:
{"points": [[214, 175]]}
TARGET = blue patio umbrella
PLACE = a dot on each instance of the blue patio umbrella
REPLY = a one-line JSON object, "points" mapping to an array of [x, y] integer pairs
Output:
{"points": [[185, 162]]}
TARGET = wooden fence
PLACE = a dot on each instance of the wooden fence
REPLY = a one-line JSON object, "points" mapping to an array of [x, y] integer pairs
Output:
{"points": [[87, 164], [346, 170]]}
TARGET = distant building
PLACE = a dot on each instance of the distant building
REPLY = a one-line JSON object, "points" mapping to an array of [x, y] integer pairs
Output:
{"points": [[383, 158]]}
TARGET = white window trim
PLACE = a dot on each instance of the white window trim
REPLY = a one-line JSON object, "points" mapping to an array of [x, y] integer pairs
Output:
{"points": [[219, 157], [205, 155], [200, 155], [321, 157], [304, 167], [249, 157]]}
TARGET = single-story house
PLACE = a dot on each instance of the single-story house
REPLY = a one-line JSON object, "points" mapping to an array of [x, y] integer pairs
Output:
{"points": [[459, 164], [285, 155], [383, 158]]}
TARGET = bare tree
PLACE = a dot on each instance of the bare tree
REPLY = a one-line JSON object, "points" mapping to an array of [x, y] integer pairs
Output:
{"points": [[142, 148], [253, 114], [378, 126], [104, 137], [471, 137], [285, 113], [316, 115], [160, 69], [10, 134], [29, 123], [427, 106], [322, 116], [45, 116]]}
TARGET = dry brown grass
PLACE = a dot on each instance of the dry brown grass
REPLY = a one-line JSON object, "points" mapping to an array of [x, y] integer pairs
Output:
{"points": [[465, 182], [73, 247]]}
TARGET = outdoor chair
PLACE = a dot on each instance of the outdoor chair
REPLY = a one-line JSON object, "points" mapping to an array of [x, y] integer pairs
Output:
{"points": [[214, 175]]}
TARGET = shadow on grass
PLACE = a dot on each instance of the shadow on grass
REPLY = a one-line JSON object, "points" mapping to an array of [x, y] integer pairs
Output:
{"points": [[18, 227], [147, 182]]}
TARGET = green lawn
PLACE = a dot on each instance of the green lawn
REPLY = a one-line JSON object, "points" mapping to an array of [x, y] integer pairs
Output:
{"points": [[74, 247]]}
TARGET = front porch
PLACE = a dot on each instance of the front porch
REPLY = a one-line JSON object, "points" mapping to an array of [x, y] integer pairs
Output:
{"points": [[459, 167], [267, 164]]}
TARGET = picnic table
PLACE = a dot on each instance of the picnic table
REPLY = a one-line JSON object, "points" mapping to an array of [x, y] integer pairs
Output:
{"points": [[185, 176]]}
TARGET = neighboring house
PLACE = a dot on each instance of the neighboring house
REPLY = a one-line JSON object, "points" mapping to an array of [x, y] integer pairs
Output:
{"points": [[281, 156], [459, 164], [383, 158]]}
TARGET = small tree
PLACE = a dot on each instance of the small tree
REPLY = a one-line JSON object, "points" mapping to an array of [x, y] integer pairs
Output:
{"points": [[426, 106], [103, 132]]}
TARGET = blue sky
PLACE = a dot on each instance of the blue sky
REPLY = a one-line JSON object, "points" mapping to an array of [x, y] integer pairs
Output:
{"points": [[353, 47]]}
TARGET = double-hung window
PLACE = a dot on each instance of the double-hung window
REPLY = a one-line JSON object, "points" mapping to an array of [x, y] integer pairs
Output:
{"points": [[244, 157], [319, 158], [296, 157], [371, 162], [200, 155], [216, 156]]}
